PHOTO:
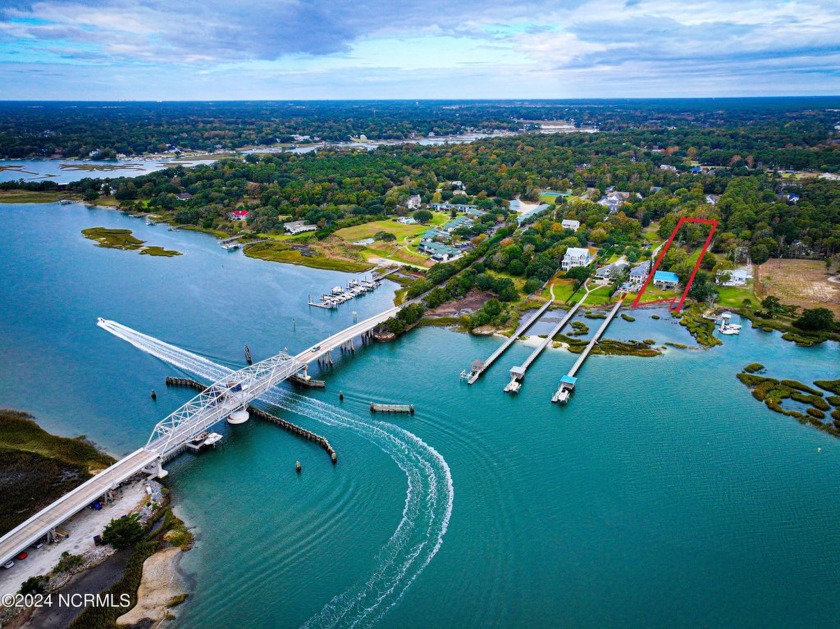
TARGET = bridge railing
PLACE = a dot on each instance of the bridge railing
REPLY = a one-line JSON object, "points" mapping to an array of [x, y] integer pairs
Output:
{"points": [[220, 399]]}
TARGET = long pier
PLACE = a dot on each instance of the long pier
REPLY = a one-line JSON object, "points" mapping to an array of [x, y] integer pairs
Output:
{"points": [[567, 383], [517, 374], [479, 367]]}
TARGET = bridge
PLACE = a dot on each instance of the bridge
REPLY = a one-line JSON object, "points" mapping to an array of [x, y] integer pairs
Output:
{"points": [[227, 396]]}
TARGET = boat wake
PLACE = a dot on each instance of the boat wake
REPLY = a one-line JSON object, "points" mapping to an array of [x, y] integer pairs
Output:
{"points": [[428, 501]]}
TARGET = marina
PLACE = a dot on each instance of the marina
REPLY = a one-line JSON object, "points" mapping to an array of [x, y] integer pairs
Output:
{"points": [[339, 295]]}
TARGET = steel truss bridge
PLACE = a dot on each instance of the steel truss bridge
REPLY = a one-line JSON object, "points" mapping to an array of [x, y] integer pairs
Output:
{"points": [[234, 392]]}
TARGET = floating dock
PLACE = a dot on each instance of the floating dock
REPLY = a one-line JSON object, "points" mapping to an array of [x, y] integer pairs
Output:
{"points": [[517, 374], [568, 382], [478, 367], [307, 381], [392, 408]]}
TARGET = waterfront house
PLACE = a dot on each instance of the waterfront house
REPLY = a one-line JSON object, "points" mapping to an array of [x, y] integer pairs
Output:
{"points": [[298, 227], [610, 271], [665, 279], [575, 256], [570, 224], [638, 274], [239, 215], [738, 277]]}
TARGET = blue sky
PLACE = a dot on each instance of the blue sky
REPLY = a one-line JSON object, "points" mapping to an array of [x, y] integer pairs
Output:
{"points": [[343, 49]]}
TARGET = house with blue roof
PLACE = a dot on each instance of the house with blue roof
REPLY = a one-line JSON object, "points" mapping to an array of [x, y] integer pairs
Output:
{"points": [[665, 279]]}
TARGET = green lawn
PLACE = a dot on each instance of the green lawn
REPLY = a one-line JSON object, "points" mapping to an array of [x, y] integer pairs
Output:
{"points": [[598, 297], [561, 289], [734, 296], [369, 230]]}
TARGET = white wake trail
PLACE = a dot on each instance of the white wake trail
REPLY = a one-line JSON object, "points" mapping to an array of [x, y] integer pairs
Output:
{"points": [[428, 502]]}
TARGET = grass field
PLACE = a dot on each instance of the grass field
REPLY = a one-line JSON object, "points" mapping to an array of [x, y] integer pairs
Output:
{"points": [[369, 230], [25, 196], [278, 252], [734, 296], [37, 467], [396, 252], [799, 282], [560, 289]]}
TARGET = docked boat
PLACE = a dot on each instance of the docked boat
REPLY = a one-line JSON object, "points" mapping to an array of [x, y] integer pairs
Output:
{"points": [[212, 439], [726, 327]]}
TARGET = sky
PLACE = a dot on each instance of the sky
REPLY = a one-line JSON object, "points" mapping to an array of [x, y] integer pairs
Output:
{"points": [[430, 49]]}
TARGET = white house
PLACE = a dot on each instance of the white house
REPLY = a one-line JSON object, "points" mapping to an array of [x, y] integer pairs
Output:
{"points": [[738, 277], [298, 227], [638, 274], [413, 202], [575, 256], [570, 224], [407, 220]]}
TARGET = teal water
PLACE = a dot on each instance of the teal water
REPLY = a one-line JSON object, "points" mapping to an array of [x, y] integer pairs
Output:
{"points": [[662, 495], [51, 169]]}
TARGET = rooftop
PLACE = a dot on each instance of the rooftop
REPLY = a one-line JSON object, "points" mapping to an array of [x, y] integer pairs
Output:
{"points": [[666, 276]]}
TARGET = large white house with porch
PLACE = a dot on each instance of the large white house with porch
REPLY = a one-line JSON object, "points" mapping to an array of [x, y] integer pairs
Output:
{"points": [[575, 256]]}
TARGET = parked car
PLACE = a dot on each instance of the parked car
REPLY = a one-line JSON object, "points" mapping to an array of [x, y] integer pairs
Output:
{"points": [[22, 556], [38, 544], [8, 564]]}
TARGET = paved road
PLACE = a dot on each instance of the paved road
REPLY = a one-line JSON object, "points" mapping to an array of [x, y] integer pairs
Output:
{"points": [[71, 503], [336, 340]]}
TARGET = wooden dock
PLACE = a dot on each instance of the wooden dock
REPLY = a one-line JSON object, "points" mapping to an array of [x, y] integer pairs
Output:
{"points": [[567, 384], [479, 367], [392, 408], [517, 374]]}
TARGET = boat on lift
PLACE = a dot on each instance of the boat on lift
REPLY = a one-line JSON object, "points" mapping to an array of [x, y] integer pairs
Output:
{"points": [[726, 327]]}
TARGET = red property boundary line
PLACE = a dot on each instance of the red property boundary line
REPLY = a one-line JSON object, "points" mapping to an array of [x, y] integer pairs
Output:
{"points": [[671, 300]]}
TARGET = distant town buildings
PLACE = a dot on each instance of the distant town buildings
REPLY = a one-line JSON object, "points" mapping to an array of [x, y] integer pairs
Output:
{"points": [[575, 256]]}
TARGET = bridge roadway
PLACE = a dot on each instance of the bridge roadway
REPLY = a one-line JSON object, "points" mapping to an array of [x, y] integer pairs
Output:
{"points": [[71, 503], [177, 429]]}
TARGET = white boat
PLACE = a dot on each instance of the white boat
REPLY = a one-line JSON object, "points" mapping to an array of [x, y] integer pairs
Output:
{"points": [[728, 328], [212, 439]]}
